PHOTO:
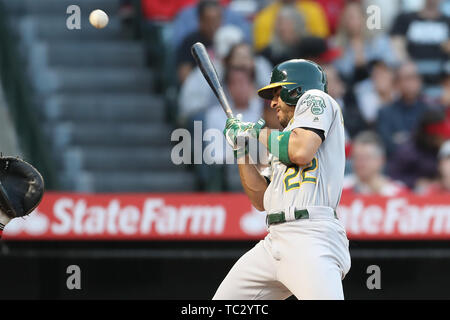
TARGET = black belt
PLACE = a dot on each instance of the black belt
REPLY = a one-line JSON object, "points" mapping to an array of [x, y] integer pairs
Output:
{"points": [[280, 217]]}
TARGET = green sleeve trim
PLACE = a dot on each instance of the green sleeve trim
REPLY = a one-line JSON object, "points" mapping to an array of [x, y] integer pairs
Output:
{"points": [[278, 145]]}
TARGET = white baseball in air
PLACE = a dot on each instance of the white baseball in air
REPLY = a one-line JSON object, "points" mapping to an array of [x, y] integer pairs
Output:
{"points": [[98, 18]]}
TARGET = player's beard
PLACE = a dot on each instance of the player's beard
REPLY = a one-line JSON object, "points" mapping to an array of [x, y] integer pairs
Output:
{"points": [[285, 114]]}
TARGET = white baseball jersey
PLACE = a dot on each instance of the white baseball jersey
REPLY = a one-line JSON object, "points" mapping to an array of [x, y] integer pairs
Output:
{"points": [[319, 183], [305, 257]]}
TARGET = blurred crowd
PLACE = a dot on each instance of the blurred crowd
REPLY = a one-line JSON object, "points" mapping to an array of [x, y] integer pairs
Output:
{"points": [[387, 64]]}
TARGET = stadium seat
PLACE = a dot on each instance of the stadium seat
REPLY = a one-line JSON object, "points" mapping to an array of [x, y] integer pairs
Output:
{"points": [[95, 96]]}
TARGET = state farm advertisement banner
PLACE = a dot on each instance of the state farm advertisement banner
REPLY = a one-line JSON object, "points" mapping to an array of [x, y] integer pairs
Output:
{"points": [[140, 217], [208, 216], [404, 218]]}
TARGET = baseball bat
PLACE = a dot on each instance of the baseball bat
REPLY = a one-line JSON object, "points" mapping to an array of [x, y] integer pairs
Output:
{"points": [[200, 55]]}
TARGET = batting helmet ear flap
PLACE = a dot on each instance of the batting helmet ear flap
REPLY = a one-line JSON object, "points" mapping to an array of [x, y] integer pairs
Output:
{"points": [[290, 93], [295, 93]]}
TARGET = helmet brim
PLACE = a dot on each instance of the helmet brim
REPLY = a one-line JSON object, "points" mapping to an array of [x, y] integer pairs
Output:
{"points": [[267, 91]]}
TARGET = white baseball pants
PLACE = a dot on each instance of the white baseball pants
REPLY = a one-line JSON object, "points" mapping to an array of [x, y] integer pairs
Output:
{"points": [[307, 258]]}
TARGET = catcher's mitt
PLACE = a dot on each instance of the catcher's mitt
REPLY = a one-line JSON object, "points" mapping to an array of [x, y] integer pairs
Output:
{"points": [[21, 187]]}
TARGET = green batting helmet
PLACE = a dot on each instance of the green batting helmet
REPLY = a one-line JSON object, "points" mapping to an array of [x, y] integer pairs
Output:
{"points": [[295, 77]]}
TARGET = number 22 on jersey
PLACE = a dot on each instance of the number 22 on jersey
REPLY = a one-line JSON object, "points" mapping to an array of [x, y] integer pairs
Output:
{"points": [[291, 176]]}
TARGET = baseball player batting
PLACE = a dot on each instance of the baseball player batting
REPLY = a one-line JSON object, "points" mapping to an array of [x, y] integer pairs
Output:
{"points": [[305, 252]]}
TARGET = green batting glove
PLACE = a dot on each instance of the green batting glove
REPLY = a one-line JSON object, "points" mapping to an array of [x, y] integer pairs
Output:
{"points": [[260, 124], [235, 127]]}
